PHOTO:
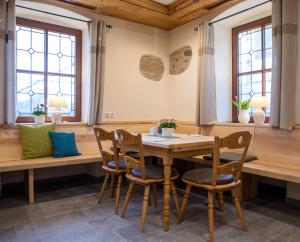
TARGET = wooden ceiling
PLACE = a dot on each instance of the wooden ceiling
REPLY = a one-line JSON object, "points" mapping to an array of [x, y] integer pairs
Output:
{"points": [[150, 12]]}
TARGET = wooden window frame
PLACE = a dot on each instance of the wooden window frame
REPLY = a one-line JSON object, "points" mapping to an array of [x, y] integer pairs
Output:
{"points": [[78, 74], [235, 60]]}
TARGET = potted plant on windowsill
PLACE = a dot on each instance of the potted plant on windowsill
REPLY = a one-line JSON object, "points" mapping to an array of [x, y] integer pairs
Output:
{"points": [[243, 106], [39, 113], [167, 127]]}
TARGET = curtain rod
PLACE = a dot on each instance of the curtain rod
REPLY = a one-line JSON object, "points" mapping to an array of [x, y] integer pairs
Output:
{"points": [[242, 11], [55, 14]]}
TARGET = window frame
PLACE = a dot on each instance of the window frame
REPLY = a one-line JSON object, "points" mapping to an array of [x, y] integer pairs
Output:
{"points": [[78, 74], [235, 60]]}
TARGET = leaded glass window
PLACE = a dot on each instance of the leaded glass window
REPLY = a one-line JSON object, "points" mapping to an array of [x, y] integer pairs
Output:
{"points": [[48, 64], [252, 61]]}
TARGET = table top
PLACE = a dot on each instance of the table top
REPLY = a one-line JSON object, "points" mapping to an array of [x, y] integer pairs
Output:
{"points": [[177, 141]]}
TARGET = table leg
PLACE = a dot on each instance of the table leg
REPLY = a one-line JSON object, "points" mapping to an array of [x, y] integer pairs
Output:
{"points": [[167, 191]]}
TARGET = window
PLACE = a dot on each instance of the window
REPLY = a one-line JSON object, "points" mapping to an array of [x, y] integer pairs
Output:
{"points": [[48, 64], [252, 61]]}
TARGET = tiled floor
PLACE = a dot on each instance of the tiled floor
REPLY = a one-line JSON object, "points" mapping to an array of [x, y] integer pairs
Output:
{"points": [[72, 214]]}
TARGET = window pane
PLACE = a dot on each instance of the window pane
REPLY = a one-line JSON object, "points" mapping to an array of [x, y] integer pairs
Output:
{"points": [[245, 63], [268, 59], [245, 84], [268, 36], [53, 43], [30, 49], [256, 39], [256, 61], [61, 53], [250, 50], [30, 92], [63, 86]]}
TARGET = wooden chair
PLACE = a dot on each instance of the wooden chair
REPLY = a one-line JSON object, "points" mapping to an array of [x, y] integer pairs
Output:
{"points": [[138, 173], [113, 166], [222, 177]]}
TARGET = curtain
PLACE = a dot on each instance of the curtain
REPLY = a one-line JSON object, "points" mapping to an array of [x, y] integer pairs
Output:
{"points": [[284, 69], [7, 62], [206, 113], [96, 29]]}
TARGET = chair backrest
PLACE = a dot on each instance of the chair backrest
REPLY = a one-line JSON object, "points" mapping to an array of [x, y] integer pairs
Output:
{"points": [[107, 154], [239, 140], [129, 141]]}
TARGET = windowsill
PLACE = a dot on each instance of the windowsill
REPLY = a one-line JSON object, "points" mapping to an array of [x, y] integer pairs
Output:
{"points": [[266, 125], [61, 124]]}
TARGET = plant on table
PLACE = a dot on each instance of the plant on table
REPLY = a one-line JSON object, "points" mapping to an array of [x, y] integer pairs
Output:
{"points": [[168, 123]]}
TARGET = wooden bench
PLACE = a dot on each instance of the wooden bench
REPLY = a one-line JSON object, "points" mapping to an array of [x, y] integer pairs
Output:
{"points": [[10, 150], [278, 154]]}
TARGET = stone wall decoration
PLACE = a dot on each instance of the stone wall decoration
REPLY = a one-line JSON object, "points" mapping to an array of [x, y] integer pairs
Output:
{"points": [[152, 67], [180, 60]]}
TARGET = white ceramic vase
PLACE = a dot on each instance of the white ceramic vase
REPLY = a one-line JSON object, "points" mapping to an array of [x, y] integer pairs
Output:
{"points": [[40, 119], [167, 132], [244, 117]]}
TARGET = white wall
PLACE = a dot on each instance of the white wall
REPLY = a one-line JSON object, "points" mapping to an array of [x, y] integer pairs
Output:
{"points": [[182, 87], [127, 93]]}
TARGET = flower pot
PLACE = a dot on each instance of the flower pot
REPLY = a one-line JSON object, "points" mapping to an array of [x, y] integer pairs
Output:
{"points": [[167, 132], [244, 117], [40, 119]]}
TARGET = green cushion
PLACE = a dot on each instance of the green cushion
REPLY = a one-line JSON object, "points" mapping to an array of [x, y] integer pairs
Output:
{"points": [[35, 140]]}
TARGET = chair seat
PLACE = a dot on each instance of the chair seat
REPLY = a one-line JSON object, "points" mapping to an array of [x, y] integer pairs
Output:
{"points": [[153, 172], [112, 164], [203, 176], [227, 157]]}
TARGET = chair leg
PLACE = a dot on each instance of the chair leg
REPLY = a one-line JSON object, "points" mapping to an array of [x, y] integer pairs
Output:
{"points": [[175, 197], [184, 201], [211, 215], [154, 191], [107, 175], [145, 207], [119, 187], [128, 195], [221, 201], [238, 208], [112, 185]]}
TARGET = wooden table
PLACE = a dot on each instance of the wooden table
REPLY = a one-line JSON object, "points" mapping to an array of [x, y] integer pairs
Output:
{"points": [[175, 147]]}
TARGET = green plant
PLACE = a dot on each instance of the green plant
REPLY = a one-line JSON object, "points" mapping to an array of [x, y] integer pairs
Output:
{"points": [[242, 104], [39, 110], [168, 123]]}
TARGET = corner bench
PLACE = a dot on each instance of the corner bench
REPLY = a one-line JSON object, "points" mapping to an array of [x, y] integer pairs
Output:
{"points": [[10, 153], [278, 155]]}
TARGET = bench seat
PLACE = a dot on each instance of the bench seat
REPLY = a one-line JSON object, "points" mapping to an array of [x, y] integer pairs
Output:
{"points": [[17, 165], [282, 170]]}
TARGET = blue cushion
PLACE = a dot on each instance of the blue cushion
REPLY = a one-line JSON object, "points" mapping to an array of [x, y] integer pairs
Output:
{"points": [[63, 144]]}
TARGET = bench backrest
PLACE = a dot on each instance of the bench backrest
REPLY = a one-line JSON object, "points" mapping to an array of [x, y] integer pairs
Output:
{"points": [[11, 150], [267, 143]]}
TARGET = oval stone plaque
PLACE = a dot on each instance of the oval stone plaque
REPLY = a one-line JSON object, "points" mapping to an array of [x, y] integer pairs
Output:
{"points": [[152, 67], [180, 60]]}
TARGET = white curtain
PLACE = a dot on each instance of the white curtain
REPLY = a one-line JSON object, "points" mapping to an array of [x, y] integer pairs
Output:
{"points": [[206, 113], [7, 62], [284, 69], [96, 29]]}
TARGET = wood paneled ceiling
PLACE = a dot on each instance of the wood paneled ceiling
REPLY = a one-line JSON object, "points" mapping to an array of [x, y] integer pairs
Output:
{"points": [[153, 13]]}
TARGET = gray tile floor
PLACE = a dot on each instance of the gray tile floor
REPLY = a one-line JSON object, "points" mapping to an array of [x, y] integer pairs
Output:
{"points": [[72, 214]]}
